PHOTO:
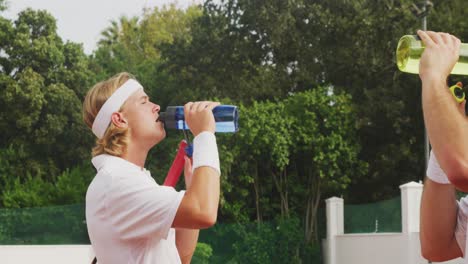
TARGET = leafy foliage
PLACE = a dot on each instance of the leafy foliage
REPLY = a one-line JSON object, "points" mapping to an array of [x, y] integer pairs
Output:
{"points": [[323, 108], [42, 84], [203, 253]]}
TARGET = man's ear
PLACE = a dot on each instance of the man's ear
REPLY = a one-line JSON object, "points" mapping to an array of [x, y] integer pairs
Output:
{"points": [[118, 119]]}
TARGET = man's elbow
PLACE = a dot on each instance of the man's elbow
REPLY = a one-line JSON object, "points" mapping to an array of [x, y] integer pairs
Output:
{"points": [[431, 255], [435, 254], [208, 219], [457, 173]]}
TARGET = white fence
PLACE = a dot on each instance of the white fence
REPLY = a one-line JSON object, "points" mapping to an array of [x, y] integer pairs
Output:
{"points": [[53, 254], [338, 248], [377, 248]]}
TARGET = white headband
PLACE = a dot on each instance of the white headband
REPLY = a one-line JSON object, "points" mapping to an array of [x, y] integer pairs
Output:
{"points": [[113, 104]]}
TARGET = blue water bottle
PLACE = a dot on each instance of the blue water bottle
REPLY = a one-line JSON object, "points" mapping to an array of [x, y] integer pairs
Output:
{"points": [[226, 118]]}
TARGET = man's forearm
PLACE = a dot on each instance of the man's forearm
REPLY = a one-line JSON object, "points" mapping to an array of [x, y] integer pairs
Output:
{"points": [[447, 130], [186, 242]]}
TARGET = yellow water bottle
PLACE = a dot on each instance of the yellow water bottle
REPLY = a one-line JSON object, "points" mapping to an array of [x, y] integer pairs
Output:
{"points": [[409, 52]]}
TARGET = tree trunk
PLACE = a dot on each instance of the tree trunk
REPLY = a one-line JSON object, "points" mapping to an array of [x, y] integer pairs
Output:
{"points": [[318, 194], [257, 194], [281, 183], [313, 199]]}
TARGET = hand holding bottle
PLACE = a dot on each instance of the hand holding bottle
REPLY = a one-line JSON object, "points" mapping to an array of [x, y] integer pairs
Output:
{"points": [[440, 55], [410, 49], [226, 118], [199, 116]]}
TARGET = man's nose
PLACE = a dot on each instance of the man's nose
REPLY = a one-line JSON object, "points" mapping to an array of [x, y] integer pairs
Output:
{"points": [[156, 108]]}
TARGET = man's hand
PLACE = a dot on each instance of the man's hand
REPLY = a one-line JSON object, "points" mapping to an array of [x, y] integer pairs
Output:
{"points": [[199, 116], [440, 55]]}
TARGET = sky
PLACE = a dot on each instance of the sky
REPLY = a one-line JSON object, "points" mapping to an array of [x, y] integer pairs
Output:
{"points": [[82, 21]]}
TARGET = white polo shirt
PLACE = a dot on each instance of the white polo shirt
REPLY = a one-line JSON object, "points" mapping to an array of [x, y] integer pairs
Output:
{"points": [[461, 229], [129, 216]]}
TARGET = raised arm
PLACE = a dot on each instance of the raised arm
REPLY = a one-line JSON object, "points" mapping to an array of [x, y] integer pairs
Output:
{"points": [[446, 125], [186, 239], [199, 207]]}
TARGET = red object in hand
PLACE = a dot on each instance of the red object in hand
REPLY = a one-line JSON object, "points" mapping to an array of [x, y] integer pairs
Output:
{"points": [[177, 166]]}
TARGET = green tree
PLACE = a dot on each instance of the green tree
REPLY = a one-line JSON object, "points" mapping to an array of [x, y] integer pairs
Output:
{"points": [[42, 84], [134, 45], [3, 5], [219, 61], [258, 50], [203, 253], [266, 139], [289, 153], [326, 152]]}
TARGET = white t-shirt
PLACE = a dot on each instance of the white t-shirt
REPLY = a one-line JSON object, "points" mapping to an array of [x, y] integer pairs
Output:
{"points": [[129, 216], [461, 229]]}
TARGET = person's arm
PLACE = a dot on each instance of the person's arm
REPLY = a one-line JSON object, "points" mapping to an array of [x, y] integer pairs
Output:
{"points": [[438, 222], [186, 239], [446, 125], [438, 216], [199, 207], [186, 243]]}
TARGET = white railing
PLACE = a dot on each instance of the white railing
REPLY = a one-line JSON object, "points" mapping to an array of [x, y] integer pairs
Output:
{"points": [[377, 248], [50, 254], [338, 247]]}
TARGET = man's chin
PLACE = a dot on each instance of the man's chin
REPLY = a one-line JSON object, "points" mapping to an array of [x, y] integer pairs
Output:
{"points": [[160, 138]]}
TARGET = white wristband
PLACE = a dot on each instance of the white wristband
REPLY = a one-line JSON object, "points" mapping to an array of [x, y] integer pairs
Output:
{"points": [[205, 151], [435, 172]]}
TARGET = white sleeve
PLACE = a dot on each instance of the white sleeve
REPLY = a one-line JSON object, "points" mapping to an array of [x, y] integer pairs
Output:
{"points": [[435, 172], [140, 208], [460, 231]]}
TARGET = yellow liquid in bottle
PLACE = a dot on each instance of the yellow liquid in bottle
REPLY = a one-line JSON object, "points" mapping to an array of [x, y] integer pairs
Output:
{"points": [[409, 52]]}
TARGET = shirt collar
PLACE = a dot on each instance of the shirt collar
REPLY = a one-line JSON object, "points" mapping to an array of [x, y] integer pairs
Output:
{"points": [[105, 160]]}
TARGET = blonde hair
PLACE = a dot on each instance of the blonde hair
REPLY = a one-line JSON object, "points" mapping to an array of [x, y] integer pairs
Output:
{"points": [[115, 139]]}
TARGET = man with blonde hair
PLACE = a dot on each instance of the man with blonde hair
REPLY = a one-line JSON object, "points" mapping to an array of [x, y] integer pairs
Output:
{"points": [[130, 217]]}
